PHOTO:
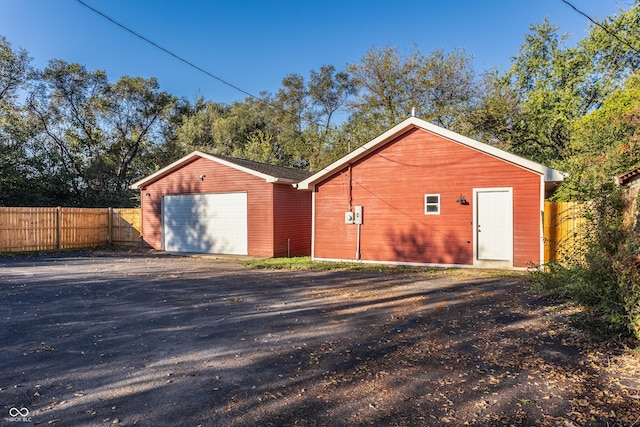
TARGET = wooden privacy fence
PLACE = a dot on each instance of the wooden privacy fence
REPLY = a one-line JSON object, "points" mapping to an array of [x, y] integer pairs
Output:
{"points": [[563, 228], [37, 229]]}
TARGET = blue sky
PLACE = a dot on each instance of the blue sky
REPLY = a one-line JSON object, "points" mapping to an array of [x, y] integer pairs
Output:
{"points": [[254, 44]]}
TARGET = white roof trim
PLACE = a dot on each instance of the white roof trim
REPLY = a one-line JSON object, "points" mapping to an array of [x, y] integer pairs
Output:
{"points": [[167, 169], [549, 174]]}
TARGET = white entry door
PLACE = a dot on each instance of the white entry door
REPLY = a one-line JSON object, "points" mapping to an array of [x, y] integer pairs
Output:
{"points": [[494, 224], [205, 223]]}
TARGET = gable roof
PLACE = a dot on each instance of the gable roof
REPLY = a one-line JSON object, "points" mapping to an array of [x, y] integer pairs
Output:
{"points": [[550, 175], [270, 173]]}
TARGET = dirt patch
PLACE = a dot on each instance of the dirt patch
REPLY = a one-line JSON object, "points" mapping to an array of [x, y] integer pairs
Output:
{"points": [[129, 339]]}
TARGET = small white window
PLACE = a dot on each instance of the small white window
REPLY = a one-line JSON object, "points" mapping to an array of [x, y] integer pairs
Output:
{"points": [[432, 204]]}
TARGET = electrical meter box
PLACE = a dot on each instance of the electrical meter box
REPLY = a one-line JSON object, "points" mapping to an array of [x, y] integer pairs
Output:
{"points": [[348, 217], [357, 215]]}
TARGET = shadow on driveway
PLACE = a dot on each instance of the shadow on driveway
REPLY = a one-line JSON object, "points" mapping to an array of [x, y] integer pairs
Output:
{"points": [[115, 339]]}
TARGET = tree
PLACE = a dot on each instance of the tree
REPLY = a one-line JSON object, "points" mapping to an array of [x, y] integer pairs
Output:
{"points": [[442, 87], [98, 131], [549, 80], [387, 89], [65, 103], [171, 147], [614, 46], [15, 69], [605, 143], [131, 113], [15, 178], [329, 91], [289, 119], [224, 129], [532, 107], [497, 116], [448, 87], [601, 141]]}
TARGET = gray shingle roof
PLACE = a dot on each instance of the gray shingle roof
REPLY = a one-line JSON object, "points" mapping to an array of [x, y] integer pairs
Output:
{"points": [[270, 172], [267, 169]]}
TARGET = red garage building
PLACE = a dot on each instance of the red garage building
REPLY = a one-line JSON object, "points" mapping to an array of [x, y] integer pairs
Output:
{"points": [[422, 195], [207, 203]]}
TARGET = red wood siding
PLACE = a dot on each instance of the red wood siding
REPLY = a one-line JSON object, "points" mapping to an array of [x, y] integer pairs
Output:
{"points": [[218, 178], [292, 210], [391, 183]]}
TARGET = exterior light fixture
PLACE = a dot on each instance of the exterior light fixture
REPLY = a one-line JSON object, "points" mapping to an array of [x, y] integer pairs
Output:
{"points": [[462, 200], [201, 177]]}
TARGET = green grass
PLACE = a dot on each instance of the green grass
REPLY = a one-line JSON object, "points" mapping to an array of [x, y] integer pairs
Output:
{"points": [[305, 263]]}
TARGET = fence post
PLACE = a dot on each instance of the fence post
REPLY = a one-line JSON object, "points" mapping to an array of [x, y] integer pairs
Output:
{"points": [[110, 222], [58, 227]]}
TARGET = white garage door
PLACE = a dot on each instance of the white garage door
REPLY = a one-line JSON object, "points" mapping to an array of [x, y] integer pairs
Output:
{"points": [[205, 223]]}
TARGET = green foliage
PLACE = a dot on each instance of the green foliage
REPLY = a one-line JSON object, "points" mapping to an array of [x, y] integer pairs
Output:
{"points": [[97, 133], [442, 87], [626, 264], [532, 109], [548, 79], [496, 119], [576, 107], [614, 48], [15, 68], [605, 143], [604, 275], [16, 175], [291, 128], [329, 90]]}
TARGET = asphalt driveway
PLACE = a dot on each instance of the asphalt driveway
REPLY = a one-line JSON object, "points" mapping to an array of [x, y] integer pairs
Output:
{"points": [[157, 340]]}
